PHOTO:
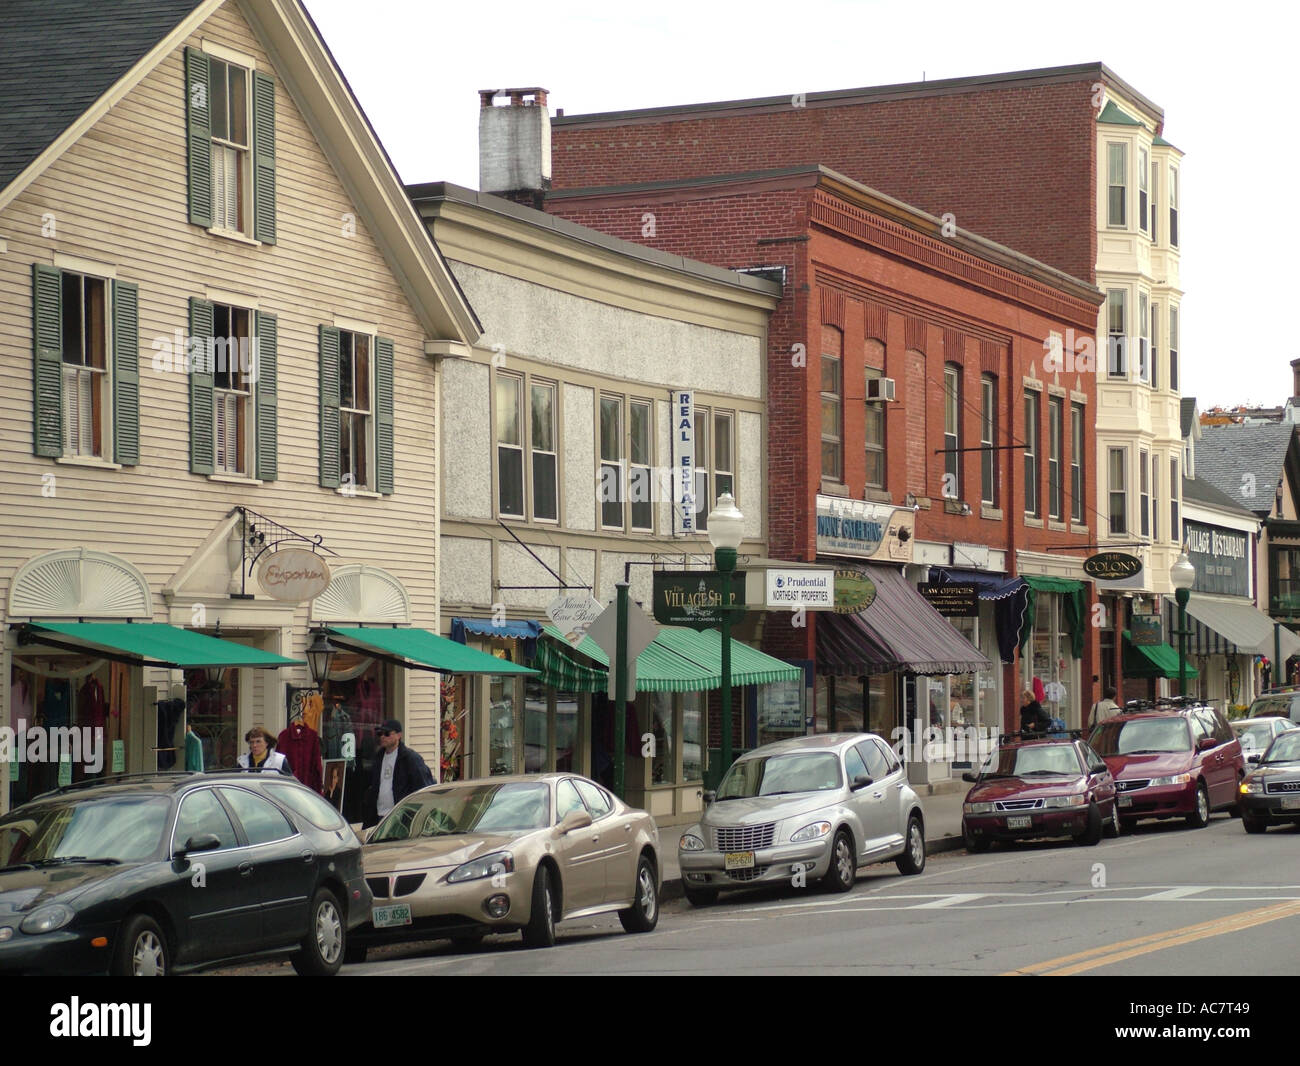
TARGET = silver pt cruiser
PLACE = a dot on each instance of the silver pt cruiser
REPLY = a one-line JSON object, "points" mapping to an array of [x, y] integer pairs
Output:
{"points": [[812, 808]]}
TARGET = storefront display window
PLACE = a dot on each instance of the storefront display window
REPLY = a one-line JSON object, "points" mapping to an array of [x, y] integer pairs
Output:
{"points": [[1049, 660], [566, 730], [501, 724], [692, 738], [356, 700], [455, 726], [660, 727], [780, 711], [535, 736], [212, 711]]}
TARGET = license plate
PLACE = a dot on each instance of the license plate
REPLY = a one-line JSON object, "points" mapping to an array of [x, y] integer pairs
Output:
{"points": [[1020, 821], [1290, 803], [1126, 801], [390, 916], [738, 860]]}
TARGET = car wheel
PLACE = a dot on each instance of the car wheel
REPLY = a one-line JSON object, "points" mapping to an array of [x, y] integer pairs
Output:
{"points": [[324, 945], [1112, 826], [912, 861], [1091, 836], [643, 915], [540, 931], [141, 949], [701, 897], [975, 845], [1252, 824], [844, 864], [1200, 816], [355, 953]]}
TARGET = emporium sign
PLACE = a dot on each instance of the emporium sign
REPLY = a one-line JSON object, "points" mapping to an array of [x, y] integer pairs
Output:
{"points": [[294, 575], [1112, 566], [864, 530], [695, 598]]}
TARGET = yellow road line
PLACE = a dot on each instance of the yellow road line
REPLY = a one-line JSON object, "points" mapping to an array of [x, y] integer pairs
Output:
{"points": [[1142, 945]]}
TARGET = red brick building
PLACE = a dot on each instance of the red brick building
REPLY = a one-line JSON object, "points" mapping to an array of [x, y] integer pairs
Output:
{"points": [[876, 289]]}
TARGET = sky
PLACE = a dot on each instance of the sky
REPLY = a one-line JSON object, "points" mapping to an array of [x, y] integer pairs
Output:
{"points": [[1223, 75]]}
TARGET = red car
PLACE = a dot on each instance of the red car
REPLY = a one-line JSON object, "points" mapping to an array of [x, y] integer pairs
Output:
{"points": [[1040, 786], [1172, 762]]}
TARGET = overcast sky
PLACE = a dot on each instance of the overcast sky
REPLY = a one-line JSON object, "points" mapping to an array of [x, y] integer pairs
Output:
{"points": [[1222, 74]]}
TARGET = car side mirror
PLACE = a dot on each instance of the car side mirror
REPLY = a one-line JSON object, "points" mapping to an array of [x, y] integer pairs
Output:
{"points": [[970, 776], [575, 820], [200, 842], [710, 796], [861, 781], [1206, 743], [1256, 757]]}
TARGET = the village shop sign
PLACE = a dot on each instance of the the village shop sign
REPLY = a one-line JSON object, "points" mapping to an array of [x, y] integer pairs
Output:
{"points": [[695, 598], [864, 530], [1222, 558], [294, 575], [1112, 566]]}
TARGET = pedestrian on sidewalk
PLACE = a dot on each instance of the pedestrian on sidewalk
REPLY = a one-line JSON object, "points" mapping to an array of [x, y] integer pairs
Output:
{"points": [[1105, 707], [398, 772], [1033, 719]]}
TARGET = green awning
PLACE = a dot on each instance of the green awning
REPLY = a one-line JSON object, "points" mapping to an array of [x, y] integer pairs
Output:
{"points": [[679, 660], [1073, 593], [424, 650], [154, 644], [1154, 660]]}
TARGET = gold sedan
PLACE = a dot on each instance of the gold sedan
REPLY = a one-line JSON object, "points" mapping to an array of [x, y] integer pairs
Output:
{"points": [[468, 858]]}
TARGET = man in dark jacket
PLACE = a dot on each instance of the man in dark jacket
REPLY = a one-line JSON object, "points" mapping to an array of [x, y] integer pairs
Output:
{"points": [[398, 771]]}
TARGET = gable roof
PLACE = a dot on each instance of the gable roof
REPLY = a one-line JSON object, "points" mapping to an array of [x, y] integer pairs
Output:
{"points": [[1235, 457], [1113, 115], [1198, 490], [1187, 415], [91, 53]]}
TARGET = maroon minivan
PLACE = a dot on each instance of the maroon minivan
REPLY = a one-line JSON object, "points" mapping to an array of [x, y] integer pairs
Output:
{"points": [[1170, 763]]}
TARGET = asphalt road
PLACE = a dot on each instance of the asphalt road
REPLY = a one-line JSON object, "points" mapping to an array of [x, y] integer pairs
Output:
{"points": [[1163, 900]]}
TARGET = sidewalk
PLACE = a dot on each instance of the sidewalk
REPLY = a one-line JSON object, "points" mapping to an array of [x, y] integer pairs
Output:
{"points": [[942, 831]]}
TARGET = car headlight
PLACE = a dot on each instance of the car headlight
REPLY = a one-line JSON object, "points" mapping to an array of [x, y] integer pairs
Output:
{"points": [[690, 842], [1177, 779], [977, 808], [47, 919], [811, 832], [1077, 800], [1250, 787], [502, 862]]}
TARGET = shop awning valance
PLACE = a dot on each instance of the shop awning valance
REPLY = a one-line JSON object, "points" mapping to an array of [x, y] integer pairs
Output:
{"points": [[1010, 598], [899, 631], [151, 644], [749, 666], [1072, 593], [1154, 660], [486, 627], [1244, 625], [422, 650]]}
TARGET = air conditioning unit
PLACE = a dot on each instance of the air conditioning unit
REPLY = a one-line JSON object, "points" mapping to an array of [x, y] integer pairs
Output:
{"points": [[880, 389]]}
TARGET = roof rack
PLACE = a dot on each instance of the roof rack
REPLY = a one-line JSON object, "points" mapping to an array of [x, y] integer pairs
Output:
{"points": [[1034, 734], [113, 779]]}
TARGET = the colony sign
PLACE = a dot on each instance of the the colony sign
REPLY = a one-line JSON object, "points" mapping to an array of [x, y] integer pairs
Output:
{"points": [[1112, 566]]}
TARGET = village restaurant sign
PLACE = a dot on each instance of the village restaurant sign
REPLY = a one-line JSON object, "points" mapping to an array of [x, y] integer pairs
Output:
{"points": [[1112, 566]]}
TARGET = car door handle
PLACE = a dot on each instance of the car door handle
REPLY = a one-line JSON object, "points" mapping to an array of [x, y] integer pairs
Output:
{"points": [[308, 856], [627, 829], [245, 869], [595, 840], [876, 795]]}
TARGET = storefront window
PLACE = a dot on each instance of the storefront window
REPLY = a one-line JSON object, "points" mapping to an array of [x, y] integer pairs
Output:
{"points": [[455, 730], [501, 724], [212, 711], [356, 702], [1050, 660], [535, 739], [660, 726], [780, 711], [692, 738], [566, 731]]}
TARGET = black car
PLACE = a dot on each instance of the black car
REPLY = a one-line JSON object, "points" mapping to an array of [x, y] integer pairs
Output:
{"points": [[1270, 794], [156, 874]]}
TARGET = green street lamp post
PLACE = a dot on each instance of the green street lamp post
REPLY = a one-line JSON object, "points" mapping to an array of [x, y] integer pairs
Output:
{"points": [[1182, 575], [725, 533]]}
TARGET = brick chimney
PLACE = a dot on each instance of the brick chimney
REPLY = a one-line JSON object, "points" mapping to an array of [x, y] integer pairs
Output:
{"points": [[514, 145], [1295, 377]]}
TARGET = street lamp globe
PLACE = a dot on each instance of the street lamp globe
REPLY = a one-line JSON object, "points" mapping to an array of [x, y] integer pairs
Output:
{"points": [[726, 530], [1182, 574]]}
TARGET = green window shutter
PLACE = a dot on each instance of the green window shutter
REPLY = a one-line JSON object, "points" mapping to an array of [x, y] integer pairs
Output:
{"points": [[47, 344], [126, 373], [329, 407], [267, 438], [263, 158], [202, 432], [384, 414], [198, 135]]}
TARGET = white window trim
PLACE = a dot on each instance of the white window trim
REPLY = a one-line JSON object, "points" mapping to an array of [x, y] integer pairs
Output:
{"points": [[250, 416], [1127, 207], [107, 399], [228, 55], [556, 450], [372, 439], [246, 175], [1110, 490], [75, 264]]}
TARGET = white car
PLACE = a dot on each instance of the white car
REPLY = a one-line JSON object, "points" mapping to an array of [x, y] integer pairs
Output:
{"points": [[1256, 734]]}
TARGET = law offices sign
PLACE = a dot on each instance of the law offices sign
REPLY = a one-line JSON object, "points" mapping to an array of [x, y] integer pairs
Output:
{"points": [[860, 529]]}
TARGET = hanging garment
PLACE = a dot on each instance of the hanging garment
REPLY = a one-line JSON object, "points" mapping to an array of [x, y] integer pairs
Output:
{"points": [[300, 744], [339, 722], [367, 700], [169, 714], [92, 706], [57, 708], [313, 705], [193, 752]]}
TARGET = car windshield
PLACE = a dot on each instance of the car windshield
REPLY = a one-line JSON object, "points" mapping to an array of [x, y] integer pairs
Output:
{"points": [[102, 829], [1032, 760], [1286, 748], [505, 808], [775, 775], [1274, 706], [1255, 734], [1141, 736]]}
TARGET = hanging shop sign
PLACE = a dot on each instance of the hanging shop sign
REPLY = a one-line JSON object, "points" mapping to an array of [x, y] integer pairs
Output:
{"points": [[1221, 557], [294, 575], [801, 588], [1145, 630], [696, 598], [952, 601], [854, 591], [975, 556], [864, 530], [683, 459], [573, 614], [1112, 566]]}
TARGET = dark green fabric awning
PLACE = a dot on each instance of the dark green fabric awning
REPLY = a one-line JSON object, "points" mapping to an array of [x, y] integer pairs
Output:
{"points": [[422, 649], [154, 644], [1072, 593], [1154, 660]]}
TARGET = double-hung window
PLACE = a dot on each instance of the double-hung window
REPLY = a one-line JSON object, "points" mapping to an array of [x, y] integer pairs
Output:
{"points": [[230, 144], [1173, 349], [988, 440], [1055, 433], [357, 429], [1144, 492], [1173, 208], [1117, 467], [1033, 502], [1155, 201], [355, 409], [1155, 498], [611, 462], [715, 471], [1144, 339], [85, 365], [952, 432], [232, 389], [1116, 329], [640, 466], [1117, 184], [540, 456], [1076, 464], [1155, 345], [510, 446], [832, 404], [626, 444], [874, 423], [1175, 490], [1144, 170], [543, 454]]}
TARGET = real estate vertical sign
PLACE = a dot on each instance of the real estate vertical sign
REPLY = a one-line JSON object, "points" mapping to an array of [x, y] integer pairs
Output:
{"points": [[683, 458]]}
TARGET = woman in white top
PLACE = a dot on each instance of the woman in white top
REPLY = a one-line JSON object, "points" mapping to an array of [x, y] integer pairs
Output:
{"points": [[261, 754]]}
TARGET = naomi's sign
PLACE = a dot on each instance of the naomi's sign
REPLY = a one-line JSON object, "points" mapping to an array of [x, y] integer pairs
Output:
{"points": [[295, 575], [1112, 566]]}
